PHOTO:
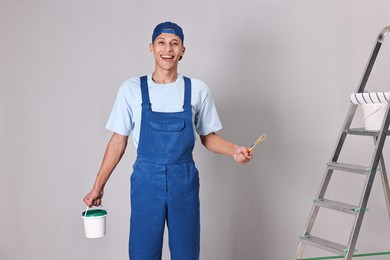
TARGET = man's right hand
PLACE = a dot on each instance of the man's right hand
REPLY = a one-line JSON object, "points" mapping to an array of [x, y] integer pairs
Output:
{"points": [[94, 198]]}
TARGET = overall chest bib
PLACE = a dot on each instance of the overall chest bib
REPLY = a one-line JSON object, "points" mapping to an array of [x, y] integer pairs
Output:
{"points": [[165, 183], [166, 137]]}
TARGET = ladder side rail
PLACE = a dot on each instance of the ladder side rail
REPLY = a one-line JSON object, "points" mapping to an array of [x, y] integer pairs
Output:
{"points": [[369, 66], [301, 249], [382, 35], [315, 208], [371, 61], [360, 89], [312, 216], [385, 183], [368, 185], [343, 133]]}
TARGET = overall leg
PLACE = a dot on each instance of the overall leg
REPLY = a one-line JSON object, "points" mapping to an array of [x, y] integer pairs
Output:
{"points": [[148, 211], [183, 211]]}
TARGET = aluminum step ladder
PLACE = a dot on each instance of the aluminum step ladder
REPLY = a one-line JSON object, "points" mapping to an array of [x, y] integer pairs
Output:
{"points": [[376, 165]]}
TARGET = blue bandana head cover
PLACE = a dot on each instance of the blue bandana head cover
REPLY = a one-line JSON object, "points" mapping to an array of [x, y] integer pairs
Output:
{"points": [[168, 27]]}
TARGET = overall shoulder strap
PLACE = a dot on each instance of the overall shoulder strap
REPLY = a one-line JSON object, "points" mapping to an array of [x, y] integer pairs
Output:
{"points": [[187, 94], [145, 92]]}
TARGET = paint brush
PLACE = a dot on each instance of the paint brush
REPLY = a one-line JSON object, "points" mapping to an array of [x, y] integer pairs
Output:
{"points": [[259, 140]]}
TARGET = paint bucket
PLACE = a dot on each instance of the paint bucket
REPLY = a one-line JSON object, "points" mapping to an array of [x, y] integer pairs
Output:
{"points": [[373, 115], [94, 222]]}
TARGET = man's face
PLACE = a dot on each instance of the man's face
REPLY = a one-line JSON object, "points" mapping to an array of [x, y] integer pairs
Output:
{"points": [[167, 49]]}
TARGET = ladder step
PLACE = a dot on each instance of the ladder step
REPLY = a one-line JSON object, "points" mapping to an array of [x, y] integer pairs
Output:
{"points": [[363, 131], [349, 168], [325, 244], [339, 206]]}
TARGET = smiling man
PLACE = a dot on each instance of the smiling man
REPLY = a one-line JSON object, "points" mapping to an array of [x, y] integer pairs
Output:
{"points": [[163, 111]]}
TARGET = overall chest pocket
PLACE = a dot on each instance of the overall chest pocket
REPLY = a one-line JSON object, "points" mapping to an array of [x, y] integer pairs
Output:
{"points": [[167, 135]]}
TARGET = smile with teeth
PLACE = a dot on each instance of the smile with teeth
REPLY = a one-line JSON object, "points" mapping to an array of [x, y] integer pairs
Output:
{"points": [[166, 57]]}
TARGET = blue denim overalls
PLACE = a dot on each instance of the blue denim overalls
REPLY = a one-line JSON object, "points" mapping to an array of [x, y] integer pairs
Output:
{"points": [[165, 184]]}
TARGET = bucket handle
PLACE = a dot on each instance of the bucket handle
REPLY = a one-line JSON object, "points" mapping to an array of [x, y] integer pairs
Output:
{"points": [[86, 211]]}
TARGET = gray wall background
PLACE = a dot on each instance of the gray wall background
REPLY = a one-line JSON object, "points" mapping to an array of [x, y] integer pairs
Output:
{"points": [[282, 68]]}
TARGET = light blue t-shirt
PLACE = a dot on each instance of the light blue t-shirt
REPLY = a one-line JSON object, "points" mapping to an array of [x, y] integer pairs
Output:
{"points": [[125, 118]]}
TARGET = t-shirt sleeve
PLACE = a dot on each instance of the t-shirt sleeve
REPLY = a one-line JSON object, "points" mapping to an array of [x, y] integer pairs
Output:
{"points": [[207, 120], [120, 120]]}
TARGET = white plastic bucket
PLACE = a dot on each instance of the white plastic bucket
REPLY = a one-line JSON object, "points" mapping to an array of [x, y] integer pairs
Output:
{"points": [[94, 222], [373, 115]]}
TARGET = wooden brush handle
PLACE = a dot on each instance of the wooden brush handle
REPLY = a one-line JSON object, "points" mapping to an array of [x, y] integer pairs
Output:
{"points": [[259, 140]]}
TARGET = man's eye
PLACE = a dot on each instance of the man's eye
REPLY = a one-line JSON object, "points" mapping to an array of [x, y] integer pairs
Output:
{"points": [[161, 43]]}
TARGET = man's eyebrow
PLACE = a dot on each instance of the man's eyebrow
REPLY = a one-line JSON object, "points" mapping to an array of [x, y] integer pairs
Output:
{"points": [[163, 38]]}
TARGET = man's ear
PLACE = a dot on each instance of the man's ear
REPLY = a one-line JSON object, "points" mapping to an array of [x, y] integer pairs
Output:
{"points": [[182, 52], [151, 47]]}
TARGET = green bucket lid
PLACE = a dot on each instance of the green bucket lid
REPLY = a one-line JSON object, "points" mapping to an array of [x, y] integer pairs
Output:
{"points": [[95, 213]]}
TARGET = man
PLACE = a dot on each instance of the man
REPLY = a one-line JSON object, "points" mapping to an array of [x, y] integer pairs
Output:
{"points": [[162, 111]]}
